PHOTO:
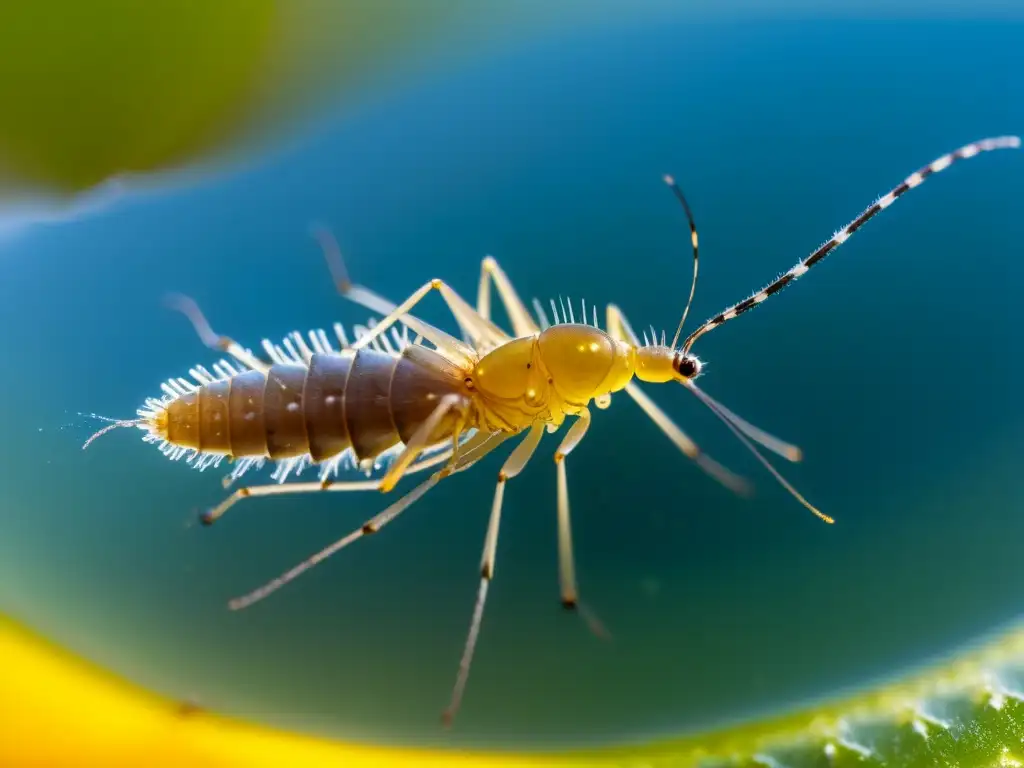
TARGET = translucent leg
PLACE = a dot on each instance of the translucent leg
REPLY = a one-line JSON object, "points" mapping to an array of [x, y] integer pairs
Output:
{"points": [[280, 489], [421, 439], [372, 525], [566, 567], [512, 467], [214, 341], [490, 271], [479, 331]]}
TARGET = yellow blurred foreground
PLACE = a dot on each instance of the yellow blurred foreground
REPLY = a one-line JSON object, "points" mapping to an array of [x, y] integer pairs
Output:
{"points": [[59, 712]]}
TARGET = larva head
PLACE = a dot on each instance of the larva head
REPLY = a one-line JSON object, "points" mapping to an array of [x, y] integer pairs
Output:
{"points": [[658, 364]]}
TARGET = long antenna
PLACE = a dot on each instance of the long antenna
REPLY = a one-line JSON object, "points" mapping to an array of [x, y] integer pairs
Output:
{"points": [[840, 237], [693, 241]]}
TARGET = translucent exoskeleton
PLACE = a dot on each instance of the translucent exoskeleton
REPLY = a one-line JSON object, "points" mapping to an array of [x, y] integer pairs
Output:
{"points": [[399, 406]]}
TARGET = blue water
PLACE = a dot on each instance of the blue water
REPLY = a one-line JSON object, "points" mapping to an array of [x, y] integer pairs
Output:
{"points": [[895, 365]]}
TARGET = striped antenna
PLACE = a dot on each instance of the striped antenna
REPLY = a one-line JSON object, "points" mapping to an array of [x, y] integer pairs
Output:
{"points": [[693, 241], [840, 237]]}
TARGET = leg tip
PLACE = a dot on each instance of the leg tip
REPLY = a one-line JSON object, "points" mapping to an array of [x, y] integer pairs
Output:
{"points": [[206, 518], [447, 718], [569, 603]]}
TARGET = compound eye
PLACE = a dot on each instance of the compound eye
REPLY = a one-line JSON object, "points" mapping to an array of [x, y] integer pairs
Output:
{"points": [[687, 367]]}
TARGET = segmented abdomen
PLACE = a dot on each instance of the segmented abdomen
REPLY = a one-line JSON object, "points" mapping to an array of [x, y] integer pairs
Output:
{"points": [[365, 400]]}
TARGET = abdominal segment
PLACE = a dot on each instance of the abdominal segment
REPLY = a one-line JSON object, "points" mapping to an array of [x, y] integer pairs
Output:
{"points": [[365, 401]]}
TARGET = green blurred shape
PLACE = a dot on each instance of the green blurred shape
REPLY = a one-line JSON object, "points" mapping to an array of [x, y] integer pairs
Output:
{"points": [[966, 711], [99, 88]]}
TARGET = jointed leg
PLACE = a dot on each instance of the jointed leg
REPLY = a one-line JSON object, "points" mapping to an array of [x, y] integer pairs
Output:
{"points": [[472, 450], [566, 567], [619, 328], [441, 339], [522, 323], [280, 489], [214, 341], [483, 333], [689, 448], [480, 331], [372, 525], [421, 437], [512, 467]]}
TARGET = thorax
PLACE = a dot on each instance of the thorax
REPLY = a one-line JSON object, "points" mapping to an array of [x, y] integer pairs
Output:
{"points": [[548, 376]]}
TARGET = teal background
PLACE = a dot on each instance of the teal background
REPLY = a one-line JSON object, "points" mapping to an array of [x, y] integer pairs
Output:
{"points": [[894, 365]]}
